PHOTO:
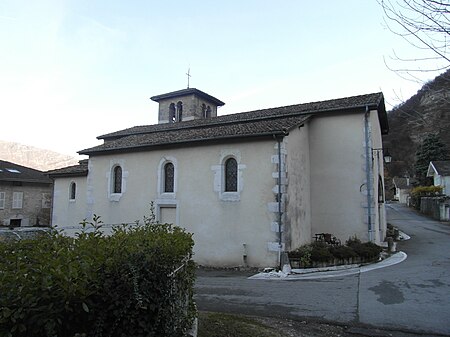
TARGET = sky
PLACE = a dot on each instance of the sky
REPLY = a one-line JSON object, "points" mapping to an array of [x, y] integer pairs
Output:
{"points": [[74, 70]]}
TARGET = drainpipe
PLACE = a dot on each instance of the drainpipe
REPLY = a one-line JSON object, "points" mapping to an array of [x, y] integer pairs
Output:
{"points": [[368, 177], [280, 212]]}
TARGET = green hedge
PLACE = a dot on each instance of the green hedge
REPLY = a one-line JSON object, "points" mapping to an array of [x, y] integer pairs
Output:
{"points": [[423, 191], [123, 284], [366, 250], [426, 191], [317, 252]]}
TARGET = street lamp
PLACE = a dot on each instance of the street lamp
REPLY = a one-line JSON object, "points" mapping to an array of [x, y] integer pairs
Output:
{"points": [[387, 157]]}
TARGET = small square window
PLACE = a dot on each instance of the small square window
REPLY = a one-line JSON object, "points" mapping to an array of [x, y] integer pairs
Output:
{"points": [[15, 222]]}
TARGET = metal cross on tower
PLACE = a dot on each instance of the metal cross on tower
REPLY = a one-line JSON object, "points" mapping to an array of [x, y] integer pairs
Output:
{"points": [[188, 75]]}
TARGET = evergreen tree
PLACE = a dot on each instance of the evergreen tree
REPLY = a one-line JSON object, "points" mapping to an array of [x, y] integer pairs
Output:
{"points": [[431, 149]]}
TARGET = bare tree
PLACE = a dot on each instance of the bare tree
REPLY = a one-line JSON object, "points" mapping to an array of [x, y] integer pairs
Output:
{"points": [[425, 24]]}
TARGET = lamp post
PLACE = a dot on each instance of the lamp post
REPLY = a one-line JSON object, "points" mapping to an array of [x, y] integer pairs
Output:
{"points": [[387, 157]]}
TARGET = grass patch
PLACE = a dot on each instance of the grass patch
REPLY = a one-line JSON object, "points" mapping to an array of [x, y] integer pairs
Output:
{"points": [[226, 325]]}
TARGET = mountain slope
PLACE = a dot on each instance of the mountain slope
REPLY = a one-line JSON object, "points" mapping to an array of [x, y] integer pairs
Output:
{"points": [[426, 112], [33, 157]]}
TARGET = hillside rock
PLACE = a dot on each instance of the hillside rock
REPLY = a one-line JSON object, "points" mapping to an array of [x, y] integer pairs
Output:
{"points": [[33, 157], [426, 112]]}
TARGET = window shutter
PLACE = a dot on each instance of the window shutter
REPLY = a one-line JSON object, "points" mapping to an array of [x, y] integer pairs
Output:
{"points": [[17, 200], [2, 200]]}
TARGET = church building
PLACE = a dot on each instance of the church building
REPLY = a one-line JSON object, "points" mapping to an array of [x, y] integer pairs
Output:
{"points": [[248, 185]]}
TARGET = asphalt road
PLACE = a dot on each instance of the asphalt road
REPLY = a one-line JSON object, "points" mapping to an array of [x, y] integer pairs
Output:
{"points": [[410, 296]]}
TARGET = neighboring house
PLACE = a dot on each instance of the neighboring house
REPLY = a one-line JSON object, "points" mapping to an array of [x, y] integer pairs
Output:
{"points": [[402, 188], [440, 171], [25, 196], [248, 185]]}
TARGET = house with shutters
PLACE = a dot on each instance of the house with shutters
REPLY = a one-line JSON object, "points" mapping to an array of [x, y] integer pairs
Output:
{"points": [[248, 185], [25, 196]]}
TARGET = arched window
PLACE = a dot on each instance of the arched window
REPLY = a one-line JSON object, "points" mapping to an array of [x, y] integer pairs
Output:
{"points": [[179, 111], [380, 190], [72, 191], [169, 176], [231, 175], [171, 113], [117, 179], [208, 112]]}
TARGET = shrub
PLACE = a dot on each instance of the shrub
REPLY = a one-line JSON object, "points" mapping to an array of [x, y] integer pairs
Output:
{"points": [[426, 191], [423, 191], [392, 232], [353, 240], [366, 250], [343, 252], [302, 253], [96, 285], [321, 252]]}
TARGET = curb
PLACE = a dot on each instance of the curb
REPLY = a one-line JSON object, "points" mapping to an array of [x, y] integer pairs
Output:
{"points": [[314, 273]]}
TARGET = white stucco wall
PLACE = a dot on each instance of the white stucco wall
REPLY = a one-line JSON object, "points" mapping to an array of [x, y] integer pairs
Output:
{"points": [[221, 225], [324, 188], [298, 205], [446, 185], [379, 210], [442, 181], [338, 175], [403, 195], [66, 213]]}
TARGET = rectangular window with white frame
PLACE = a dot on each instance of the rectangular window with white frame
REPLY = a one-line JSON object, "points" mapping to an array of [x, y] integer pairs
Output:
{"points": [[17, 200], [2, 200]]}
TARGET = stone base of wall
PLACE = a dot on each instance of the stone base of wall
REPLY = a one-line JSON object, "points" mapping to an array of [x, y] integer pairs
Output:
{"points": [[296, 263], [23, 233]]}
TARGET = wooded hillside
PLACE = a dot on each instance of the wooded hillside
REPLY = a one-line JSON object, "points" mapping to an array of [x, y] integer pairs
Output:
{"points": [[426, 112]]}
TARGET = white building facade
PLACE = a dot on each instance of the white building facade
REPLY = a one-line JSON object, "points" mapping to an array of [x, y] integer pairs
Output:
{"points": [[248, 185], [440, 171]]}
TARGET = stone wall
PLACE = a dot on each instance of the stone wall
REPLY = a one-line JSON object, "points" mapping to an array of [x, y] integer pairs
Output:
{"points": [[22, 233], [436, 207], [36, 205]]}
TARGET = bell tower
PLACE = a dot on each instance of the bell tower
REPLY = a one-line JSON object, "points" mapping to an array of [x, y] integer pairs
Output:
{"points": [[184, 105]]}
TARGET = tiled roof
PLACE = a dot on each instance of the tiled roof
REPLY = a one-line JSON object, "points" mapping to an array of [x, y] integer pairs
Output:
{"points": [[185, 92], [79, 170], [372, 100], [403, 183], [14, 172], [442, 167], [194, 135], [246, 124]]}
